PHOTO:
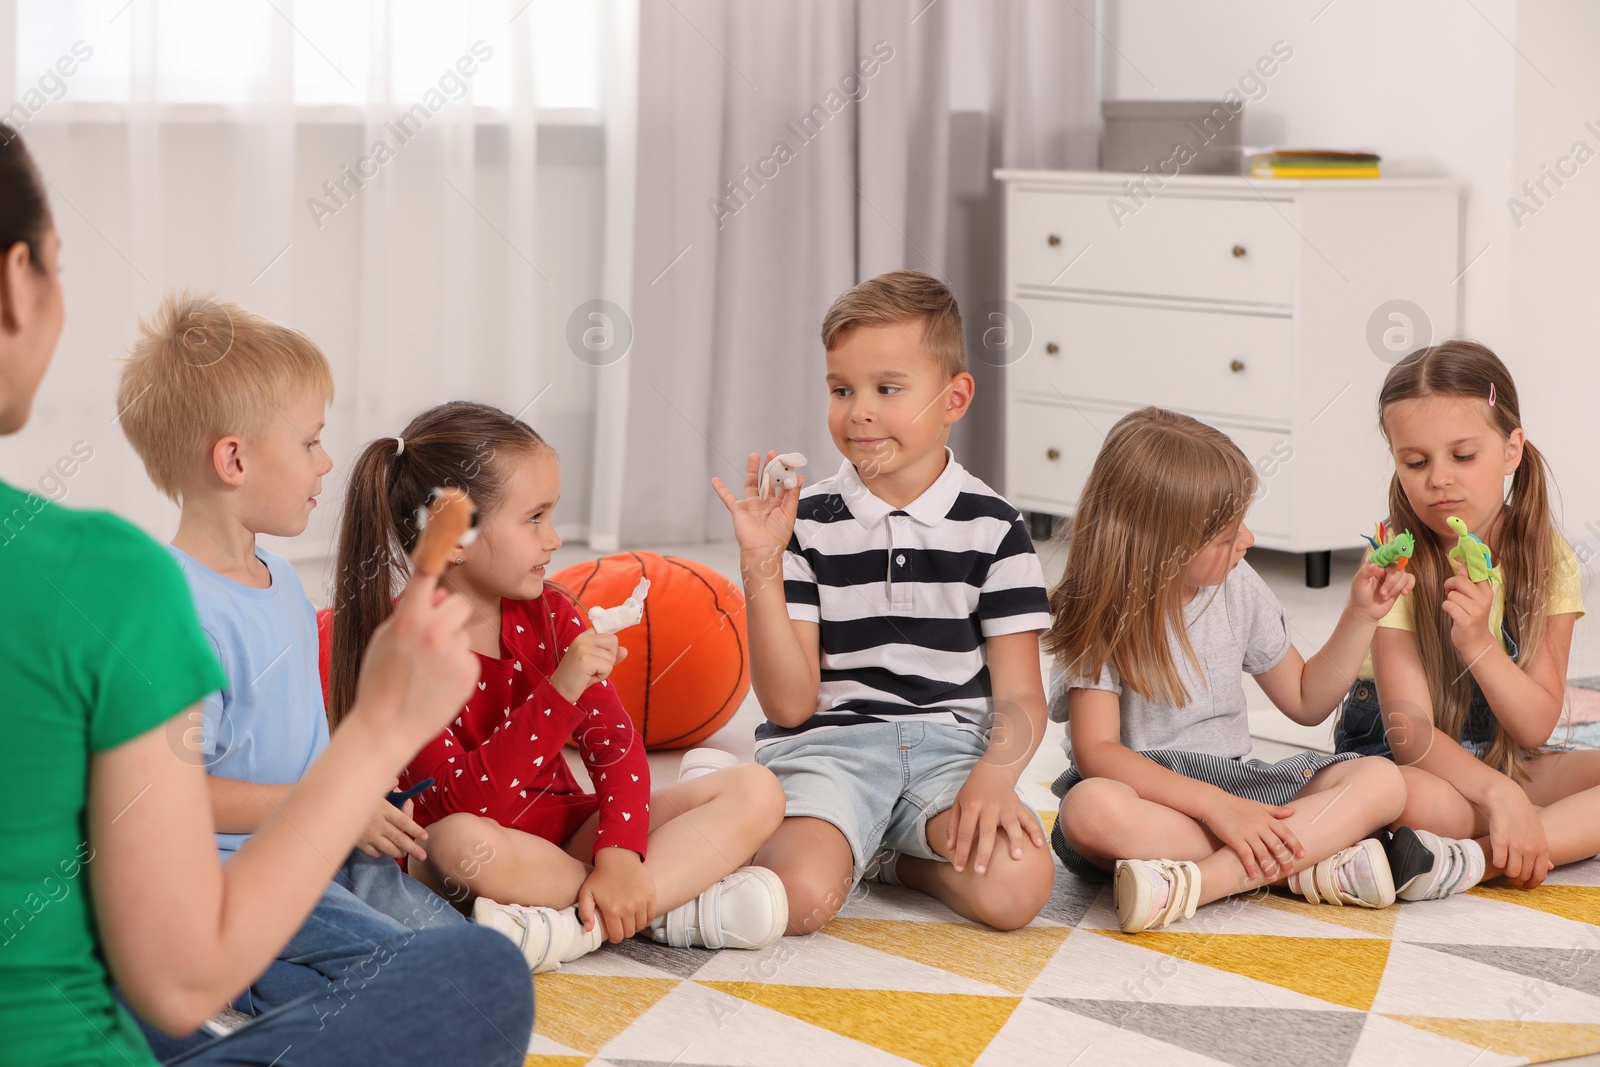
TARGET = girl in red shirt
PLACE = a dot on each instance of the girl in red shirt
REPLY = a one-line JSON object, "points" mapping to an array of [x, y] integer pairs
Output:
{"points": [[510, 830]]}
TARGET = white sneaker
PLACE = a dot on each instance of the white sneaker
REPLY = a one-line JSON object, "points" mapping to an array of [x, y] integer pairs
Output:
{"points": [[1356, 875], [1429, 867], [1154, 892], [699, 761], [747, 909], [547, 937]]}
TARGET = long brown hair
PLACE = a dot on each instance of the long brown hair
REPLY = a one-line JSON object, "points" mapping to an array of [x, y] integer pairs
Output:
{"points": [[461, 444], [1524, 542], [1163, 486]]}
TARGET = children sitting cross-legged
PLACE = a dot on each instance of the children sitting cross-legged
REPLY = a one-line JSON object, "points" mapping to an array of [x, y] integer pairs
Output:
{"points": [[226, 409], [555, 867], [1471, 672], [1156, 616], [894, 611]]}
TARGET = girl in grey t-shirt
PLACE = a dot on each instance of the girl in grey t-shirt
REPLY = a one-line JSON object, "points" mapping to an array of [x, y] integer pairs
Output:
{"points": [[1155, 620]]}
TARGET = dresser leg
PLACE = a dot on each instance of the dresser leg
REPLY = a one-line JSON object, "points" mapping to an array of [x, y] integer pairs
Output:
{"points": [[1041, 525], [1318, 564]]}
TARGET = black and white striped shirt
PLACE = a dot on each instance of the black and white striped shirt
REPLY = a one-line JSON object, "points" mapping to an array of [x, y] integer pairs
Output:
{"points": [[906, 597]]}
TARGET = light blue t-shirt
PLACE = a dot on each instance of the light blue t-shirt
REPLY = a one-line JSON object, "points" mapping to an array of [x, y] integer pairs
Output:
{"points": [[269, 723]]}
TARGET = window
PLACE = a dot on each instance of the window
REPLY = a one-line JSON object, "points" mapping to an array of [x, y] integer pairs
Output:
{"points": [[225, 51]]}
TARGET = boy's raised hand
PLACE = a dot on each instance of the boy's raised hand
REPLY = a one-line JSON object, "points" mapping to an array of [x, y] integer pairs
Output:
{"points": [[1375, 590], [761, 525]]}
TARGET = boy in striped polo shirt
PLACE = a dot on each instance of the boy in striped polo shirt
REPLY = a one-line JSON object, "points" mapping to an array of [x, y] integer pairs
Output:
{"points": [[894, 614]]}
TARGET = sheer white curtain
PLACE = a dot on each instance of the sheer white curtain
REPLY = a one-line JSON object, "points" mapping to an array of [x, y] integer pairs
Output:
{"points": [[781, 153], [621, 220], [365, 171]]}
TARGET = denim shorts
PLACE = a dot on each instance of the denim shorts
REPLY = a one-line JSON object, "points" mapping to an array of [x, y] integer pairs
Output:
{"points": [[1360, 728], [879, 783]]}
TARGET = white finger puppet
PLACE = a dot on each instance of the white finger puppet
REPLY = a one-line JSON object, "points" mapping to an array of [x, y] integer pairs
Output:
{"points": [[624, 615], [782, 473]]}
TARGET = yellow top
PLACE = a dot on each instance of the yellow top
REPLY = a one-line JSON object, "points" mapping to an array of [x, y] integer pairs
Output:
{"points": [[1565, 597]]}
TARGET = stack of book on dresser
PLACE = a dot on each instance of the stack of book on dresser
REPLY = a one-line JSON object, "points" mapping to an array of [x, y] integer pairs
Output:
{"points": [[1313, 163]]}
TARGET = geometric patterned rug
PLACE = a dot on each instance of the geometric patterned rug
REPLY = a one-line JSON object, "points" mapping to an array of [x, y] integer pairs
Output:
{"points": [[1494, 976]]}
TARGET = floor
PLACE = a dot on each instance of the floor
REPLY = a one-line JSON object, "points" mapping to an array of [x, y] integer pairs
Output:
{"points": [[1492, 977]]}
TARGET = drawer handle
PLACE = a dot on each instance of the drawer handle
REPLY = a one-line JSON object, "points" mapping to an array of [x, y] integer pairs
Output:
{"points": [[1237, 366], [1238, 251], [1052, 240], [1053, 349], [1052, 453]]}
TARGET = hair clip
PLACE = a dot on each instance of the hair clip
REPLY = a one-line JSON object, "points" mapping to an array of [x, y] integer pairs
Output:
{"points": [[1491, 394]]}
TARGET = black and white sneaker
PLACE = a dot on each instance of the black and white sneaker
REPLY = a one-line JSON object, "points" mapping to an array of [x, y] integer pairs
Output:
{"points": [[1429, 867]]}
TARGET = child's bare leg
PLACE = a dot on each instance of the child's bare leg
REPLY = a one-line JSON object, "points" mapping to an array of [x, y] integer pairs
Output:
{"points": [[1341, 804], [1564, 785], [814, 861], [1007, 896], [702, 830], [1106, 820], [500, 863], [1435, 805]]}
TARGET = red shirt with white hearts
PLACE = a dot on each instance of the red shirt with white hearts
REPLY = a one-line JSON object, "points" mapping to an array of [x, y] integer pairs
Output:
{"points": [[501, 758]]}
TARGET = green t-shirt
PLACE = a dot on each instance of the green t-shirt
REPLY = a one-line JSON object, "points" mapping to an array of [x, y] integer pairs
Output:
{"points": [[100, 644]]}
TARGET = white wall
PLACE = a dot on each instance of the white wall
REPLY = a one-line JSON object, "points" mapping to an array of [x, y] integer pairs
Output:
{"points": [[1484, 91], [1555, 253]]}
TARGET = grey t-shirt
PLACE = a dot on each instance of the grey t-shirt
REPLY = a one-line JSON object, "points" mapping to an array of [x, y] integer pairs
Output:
{"points": [[1238, 628]]}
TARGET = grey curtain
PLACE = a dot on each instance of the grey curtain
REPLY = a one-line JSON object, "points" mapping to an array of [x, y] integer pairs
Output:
{"points": [[786, 151]]}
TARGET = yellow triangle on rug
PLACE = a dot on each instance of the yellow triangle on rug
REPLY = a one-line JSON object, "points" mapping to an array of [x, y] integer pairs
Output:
{"points": [[1010, 959], [1379, 922], [933, 1029], [1341, 970], [1535, 1040], [1580, 903], [585, 1012]]}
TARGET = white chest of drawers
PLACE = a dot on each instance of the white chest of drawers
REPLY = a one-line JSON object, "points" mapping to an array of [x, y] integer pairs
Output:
{"points": [[1269, 308]]}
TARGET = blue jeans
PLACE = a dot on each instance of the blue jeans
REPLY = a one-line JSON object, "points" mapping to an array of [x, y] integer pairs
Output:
{"points": [[368, 907], [458, 995]]}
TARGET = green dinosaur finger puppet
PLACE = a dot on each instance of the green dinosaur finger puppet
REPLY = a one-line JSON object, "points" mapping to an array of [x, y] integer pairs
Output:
{"points": [[1471, 551], [1391, 550]]}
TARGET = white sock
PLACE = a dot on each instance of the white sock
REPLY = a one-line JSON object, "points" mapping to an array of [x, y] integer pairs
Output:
{"points": [[1163, 893], [1477, 862], [1346, 878]]}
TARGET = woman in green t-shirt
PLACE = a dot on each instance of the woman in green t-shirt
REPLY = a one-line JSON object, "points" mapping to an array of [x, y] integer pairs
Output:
{"points": [[111, 867]]}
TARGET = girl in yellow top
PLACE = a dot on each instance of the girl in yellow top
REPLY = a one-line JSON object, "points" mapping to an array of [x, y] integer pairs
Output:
{"points": [[1469, 677]]}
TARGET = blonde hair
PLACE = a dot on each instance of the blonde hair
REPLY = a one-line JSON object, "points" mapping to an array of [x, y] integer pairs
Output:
{"points": [[900, 296], [1524, 544], [202, 369], [1163, 486]]}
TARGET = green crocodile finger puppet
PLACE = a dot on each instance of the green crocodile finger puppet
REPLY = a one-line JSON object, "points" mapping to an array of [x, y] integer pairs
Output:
{"points": [[1471, 551]]}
